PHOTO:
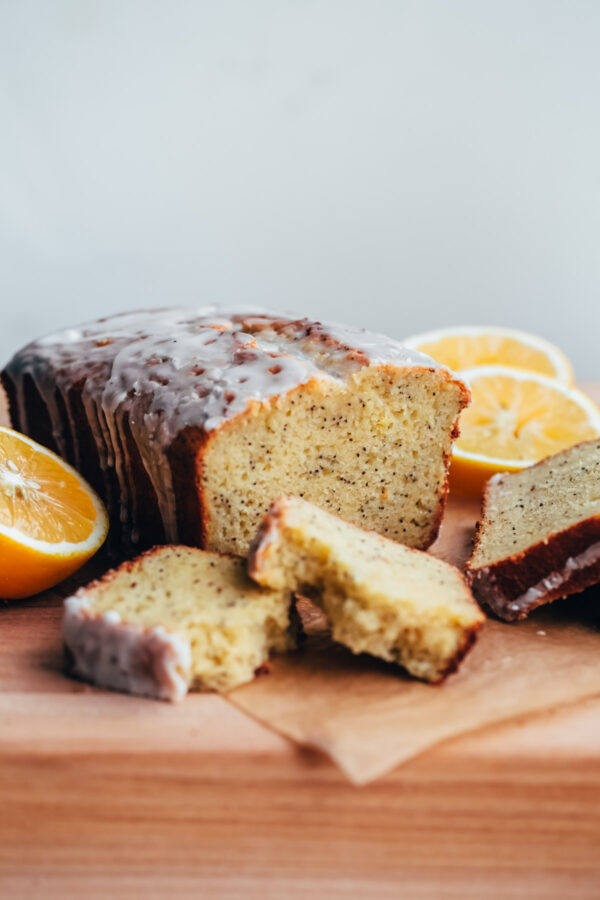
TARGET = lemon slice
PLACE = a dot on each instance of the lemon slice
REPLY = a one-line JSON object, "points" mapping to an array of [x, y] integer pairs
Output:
{"points": [[515, 419], [465, 346], [51, 521]]}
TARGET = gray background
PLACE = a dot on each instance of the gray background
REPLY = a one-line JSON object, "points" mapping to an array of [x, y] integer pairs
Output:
{"points": [[395, 164]]}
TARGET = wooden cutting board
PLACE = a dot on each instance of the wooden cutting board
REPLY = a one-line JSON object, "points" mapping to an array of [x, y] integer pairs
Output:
{"points": [[115, 796]]}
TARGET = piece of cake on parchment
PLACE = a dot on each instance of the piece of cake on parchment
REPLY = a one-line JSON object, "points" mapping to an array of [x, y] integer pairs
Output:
{"points": [[538, 537], [380, 597]]}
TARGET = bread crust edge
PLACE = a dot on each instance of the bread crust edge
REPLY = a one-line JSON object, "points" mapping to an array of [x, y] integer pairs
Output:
{"points": [[503, 586]]}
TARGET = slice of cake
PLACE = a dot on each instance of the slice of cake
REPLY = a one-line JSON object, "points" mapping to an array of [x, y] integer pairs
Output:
{"points": [[381, 598], [190, 422], [174, 618], [539, 534]]}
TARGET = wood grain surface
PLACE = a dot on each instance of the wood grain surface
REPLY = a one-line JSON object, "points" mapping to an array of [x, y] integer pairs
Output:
{"points": [[110, 796]]}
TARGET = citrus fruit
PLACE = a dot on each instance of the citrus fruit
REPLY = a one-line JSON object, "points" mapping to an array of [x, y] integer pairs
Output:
{"points": [[51, 521], [515, 419], [463, 347]]}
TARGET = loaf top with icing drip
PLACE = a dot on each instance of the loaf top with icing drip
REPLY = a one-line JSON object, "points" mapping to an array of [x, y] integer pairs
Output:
{"points": [[136, 402], [202, 367]]}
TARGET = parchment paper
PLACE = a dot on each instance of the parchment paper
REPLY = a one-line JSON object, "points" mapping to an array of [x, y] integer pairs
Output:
{"points": [[369, 717]]}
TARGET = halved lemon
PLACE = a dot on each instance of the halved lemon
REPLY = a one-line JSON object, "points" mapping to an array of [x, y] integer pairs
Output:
{"points": [[465, 346], [51, 521], [515, 419]]}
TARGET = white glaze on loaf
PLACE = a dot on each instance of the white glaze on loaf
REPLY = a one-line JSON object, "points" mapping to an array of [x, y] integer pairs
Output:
{"points": [[162, 370], [125, 657]]}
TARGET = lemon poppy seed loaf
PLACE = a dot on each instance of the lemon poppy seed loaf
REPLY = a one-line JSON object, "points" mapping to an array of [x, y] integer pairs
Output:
{"points": [[175, 617], [380, 597], [539, 534], [189, 423]]}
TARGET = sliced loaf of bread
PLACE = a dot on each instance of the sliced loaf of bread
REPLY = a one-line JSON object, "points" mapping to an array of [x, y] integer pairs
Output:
{"points": [[190, 422]]}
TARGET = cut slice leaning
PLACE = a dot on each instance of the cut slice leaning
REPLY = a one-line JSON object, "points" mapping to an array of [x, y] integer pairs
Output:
{"points": [[379, 597], [516, 418], [464, 346], [51, 521]]}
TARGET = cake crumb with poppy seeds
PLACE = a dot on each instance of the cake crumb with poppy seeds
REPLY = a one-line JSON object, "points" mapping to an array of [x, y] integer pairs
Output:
{"points": [[191, 619], [168, 412], [380, 597]]}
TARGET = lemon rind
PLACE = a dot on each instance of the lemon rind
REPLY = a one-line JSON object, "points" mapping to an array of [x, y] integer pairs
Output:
{"points": [[562, 366]]}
